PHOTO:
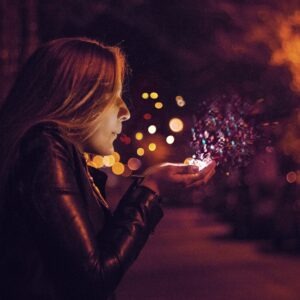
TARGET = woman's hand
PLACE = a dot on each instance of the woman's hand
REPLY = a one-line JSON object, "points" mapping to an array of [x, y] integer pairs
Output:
{"points": [[167, 178]]}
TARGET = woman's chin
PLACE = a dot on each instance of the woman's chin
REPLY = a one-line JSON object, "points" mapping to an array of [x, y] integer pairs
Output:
{"points": [[100, 151], [105, 152]]}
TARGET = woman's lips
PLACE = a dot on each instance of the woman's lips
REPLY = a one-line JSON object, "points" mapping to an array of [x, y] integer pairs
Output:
{"points": [[115, 134]]}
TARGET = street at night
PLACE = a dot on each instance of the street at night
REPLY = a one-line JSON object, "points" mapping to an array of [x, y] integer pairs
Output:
{"points": [[191, 257]]}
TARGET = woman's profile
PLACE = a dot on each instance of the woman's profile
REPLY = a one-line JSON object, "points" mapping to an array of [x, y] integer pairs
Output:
{"points": [[59, 239]]}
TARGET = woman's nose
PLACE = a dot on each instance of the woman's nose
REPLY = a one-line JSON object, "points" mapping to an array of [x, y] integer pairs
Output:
{"points": [[124, 113]]}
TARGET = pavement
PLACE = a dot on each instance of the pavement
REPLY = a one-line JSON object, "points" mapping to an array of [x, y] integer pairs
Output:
{"points": [[190, 257]]}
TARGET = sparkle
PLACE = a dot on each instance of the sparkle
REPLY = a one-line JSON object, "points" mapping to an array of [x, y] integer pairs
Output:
{"points": [[222, 132]]}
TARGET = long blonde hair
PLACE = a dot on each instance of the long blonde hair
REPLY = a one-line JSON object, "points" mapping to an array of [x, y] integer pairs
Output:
{"points": [[68, 81]]}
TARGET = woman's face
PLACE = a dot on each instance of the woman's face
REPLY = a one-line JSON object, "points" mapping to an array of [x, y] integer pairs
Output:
{"points": [[108, 128]]}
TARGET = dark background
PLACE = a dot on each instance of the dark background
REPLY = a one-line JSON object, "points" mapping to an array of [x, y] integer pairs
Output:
{"points": [[189, 47], [196, 49]]}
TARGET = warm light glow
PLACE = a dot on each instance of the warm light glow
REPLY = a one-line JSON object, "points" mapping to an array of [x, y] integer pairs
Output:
{"points": [[180, 101], [147, 116], [152, 129], [158, 105], [152, 147], [291, 177], [145, 96], [139, 136], [153, 95], [117, 156], [108, 160], [288, 53], [118, 168], [290, 140], [98, 161], [170, 139], [125, 139], [140, 151], [187, 160], [86, 156], [176, 125], [89, 160], [134, 163]]}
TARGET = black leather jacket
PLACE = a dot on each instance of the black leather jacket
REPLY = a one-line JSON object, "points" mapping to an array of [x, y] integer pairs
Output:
{"points": [[58, 241]]}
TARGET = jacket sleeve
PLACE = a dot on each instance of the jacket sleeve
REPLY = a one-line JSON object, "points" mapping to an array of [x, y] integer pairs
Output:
{"points": [[86, 266]]}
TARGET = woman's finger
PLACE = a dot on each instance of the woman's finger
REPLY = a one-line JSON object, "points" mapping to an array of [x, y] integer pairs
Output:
{"points": [[201, 181], [187, 179], [209, 175], [209, 167], [185, 169]]}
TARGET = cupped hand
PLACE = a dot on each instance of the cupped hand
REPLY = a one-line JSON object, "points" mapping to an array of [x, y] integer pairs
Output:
{"points": [[167, 178]]}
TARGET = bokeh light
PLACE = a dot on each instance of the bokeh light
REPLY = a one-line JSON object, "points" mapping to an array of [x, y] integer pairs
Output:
{"points": [[134, 163], [86, 156], [180, 101], [145, 96], [125, 139], [117, 156], [140, 151], [158, 105], [139, 136], [154, 95], [118, 168], [98, 161], [291, 177], [147, 116], [170, 139], [152, 147], [152, 129], [176, 125], [108, 160]]}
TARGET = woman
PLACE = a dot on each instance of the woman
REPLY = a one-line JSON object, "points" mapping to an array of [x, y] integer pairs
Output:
{"points": [[59, 239]]}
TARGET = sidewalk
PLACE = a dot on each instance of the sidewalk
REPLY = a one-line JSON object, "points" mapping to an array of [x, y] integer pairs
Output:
{"points": [[189, 258]]}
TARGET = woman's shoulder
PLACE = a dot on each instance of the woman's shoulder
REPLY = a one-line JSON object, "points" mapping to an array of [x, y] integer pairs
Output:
{"points": [[43, 138]]}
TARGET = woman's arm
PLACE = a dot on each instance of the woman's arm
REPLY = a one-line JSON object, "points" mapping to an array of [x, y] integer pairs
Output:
{"points": [[83, 265]]}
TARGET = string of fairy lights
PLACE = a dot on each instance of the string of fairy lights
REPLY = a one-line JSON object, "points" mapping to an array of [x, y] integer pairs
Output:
{"points": [[146, 142]]}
